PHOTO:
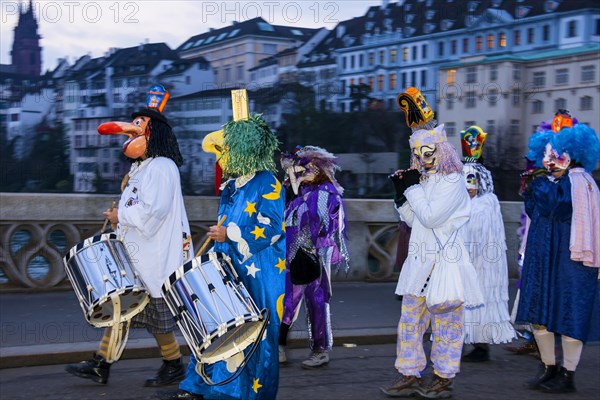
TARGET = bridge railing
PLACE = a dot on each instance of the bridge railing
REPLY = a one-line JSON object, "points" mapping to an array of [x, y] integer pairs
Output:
{"points": [[36, 230]]}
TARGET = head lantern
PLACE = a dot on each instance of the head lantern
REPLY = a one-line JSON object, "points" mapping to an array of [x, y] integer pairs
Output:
{"points": [[562, 119], [415, 107], [310, 165], [146, 123], [472, 141]]}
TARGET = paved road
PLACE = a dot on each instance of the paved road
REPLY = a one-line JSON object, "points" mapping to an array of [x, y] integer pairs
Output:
{"points": [[353, 374]]}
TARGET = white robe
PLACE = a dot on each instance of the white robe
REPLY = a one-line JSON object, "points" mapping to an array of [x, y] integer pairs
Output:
{"points": [[485, 238], [440, 204], [153, 222]]}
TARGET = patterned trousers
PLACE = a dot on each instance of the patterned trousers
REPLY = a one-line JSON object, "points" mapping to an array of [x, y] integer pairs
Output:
{"points": [[447, 339]]}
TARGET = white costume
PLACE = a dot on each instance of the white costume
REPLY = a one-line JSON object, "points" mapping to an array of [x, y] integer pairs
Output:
{"points": [[438, 206], [153, 200], [484, 236]]}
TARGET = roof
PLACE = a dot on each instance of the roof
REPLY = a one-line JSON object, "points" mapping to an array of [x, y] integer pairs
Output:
{"points": [[530, 56], [256, 27], [182, 65], [414, 18], [205, 93]]}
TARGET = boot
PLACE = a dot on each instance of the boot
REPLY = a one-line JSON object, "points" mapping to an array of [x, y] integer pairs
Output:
{"points": [[480, 353], [171, 371], [405, 386], [563, 382], [96, 369], [545, 373], [436, 388]]}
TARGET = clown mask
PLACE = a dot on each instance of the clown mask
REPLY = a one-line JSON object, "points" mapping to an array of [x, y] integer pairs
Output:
{"points": [[299, 174], [556, 164], [471, 180]]}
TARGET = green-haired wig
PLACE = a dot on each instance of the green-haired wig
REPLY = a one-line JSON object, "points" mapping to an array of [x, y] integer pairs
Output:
{"points": [[250, 146]]}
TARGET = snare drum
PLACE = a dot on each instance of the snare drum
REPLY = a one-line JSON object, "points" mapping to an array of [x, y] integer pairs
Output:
{"points": [[101, 272], [213, 309]]}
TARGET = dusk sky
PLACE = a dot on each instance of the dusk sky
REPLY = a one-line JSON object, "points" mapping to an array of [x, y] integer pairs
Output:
{"points": [[72, 28]]}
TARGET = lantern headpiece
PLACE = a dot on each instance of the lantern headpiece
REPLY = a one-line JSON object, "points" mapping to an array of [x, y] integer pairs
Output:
{"points": [[418, 113], [156, 100], [472, 141]]}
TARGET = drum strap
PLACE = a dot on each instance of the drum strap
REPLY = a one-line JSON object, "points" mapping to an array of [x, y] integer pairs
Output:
{"points": [[119, 333]]}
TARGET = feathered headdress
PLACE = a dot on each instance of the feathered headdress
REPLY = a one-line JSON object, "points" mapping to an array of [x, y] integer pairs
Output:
{"points": [[320, 158]]}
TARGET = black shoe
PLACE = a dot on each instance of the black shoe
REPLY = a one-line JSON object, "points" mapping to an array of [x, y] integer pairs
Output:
{"points": [[96, 369], [478, 354], [437, 388], [169, 373], [563, 382], [545, 373], [179, 395]]}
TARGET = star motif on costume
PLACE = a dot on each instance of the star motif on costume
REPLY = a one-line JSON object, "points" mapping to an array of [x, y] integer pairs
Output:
{"points": [[252, 270], [256, 386], [258, 233], [280, 264], [283, 226], [250, 208]]}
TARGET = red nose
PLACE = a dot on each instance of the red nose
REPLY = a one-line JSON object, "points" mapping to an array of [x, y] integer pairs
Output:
{"points": [[110, 128]]}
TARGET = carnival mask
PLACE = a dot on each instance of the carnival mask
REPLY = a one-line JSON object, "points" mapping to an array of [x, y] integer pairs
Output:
{"points": [[471, 180], [138, 132], [427, 157], [299, 174], [214, 143], [555, 163]]}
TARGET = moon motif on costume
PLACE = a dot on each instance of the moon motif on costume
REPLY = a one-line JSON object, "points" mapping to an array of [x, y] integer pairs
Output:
{"points": [[276, 193]]}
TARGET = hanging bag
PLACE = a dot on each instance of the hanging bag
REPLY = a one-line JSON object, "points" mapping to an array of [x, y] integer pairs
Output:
{"points": [[444, 292], [304, 268]]}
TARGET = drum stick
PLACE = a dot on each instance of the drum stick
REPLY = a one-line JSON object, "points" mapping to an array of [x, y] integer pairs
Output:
{"points": [[106, 220], [207, 241]]}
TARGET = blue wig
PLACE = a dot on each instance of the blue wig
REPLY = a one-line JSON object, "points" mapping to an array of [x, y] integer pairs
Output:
{"points": [[537, 145], [581, 143]]}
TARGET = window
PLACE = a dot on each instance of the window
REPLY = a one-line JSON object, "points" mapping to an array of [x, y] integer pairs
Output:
{"points": [[404, 85], [227, 74], [344, 62], [517, 38], [361, 60], [514, 127], [539, 79], [562, 76], [393, 54], [470, 103], [441, 49], [371, 80], [424, 78], [517, 73], [240, 72], [492, 96], [546, 33], [585, 103], [424, 52], [414, 52], [560, 103], [380, 82], [413, 78], [450, 128], [471, 74], [502, 39], [587, 73], [491, 126], [571, 29], [516, 97], [465, 46], [478, 43], [451, 76], [269, 48], [405, 54], [468, 124], [392, 82], [493, 73], [450, 99], [453, 46], [352, 82], [530, 35], [15, 118], [352, 62], [490, 42], [537, 107], [371, 58], [381, 57]]}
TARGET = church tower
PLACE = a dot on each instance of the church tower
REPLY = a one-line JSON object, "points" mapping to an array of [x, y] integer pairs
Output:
{"points": [[26, 51]]}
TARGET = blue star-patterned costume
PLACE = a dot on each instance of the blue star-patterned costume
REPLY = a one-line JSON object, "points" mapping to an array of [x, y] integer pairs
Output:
{"points": [[254, 208]]}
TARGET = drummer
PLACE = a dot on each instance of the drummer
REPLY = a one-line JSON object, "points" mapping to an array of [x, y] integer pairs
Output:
{"points": [[152, 221], [252, 200]]}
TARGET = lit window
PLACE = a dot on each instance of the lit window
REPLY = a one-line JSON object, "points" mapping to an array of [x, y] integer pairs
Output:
{"points": [[371, 58], [490, 41], [478, 43], [392, 81], [393, 54], [405, 54], [451, 76], [502, 39], [380, 82], [371, 82]]}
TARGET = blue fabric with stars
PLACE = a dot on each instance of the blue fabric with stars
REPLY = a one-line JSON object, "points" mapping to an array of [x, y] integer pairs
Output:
{"points": [[256, 207]]}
